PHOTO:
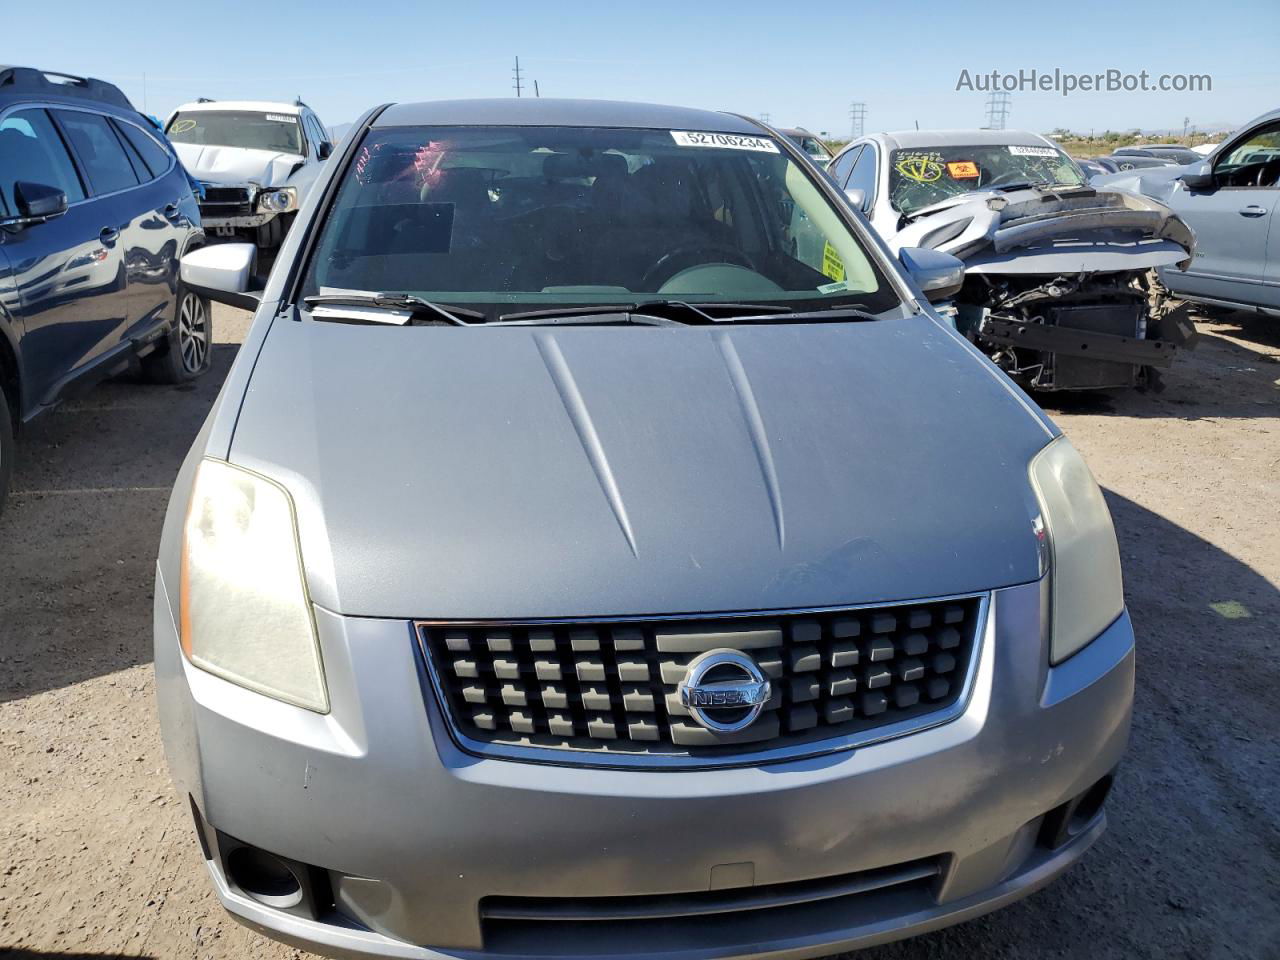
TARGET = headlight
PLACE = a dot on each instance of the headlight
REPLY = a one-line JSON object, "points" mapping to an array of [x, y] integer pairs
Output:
{"points": [[1085, 588], [244, 607], [278, 201]]}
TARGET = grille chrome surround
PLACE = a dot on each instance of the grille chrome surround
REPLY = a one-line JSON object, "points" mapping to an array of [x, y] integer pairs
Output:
{"points": [[505, 656]]}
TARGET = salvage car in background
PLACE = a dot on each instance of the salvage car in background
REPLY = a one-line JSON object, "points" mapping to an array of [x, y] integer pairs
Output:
{"points": [[591, 480], [256, 161], [810, 143], [1059, 288], [1230, 200], [95, 212]]}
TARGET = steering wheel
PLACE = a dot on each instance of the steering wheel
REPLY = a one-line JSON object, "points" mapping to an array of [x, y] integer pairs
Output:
{"points": [[1267, 173], [689, 255]]}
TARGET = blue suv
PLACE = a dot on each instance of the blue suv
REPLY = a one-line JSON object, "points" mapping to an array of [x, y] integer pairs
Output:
{"points": [[95, 212]]}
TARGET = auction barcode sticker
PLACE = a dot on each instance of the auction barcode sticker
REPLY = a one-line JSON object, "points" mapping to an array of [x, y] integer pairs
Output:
{"points": [[1020, 151], [281, 118], [726, 141]]}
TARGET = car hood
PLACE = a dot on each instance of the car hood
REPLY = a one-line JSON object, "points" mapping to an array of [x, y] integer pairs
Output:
{"points": [[215, 164], [596, 471], [1043, 231]]}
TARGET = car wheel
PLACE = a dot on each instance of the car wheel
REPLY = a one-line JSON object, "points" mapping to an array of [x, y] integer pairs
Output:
{"points": [[6, 448], [187, 352]]}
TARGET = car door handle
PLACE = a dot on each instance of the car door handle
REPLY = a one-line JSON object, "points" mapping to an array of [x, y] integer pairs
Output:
{"points": [[172, 211], [108, 234], [1253, 210]]}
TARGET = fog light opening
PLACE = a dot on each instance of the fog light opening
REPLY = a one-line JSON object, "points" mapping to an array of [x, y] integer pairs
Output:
{"points": [[1068, 821], [264, 877], [1089, 805]]}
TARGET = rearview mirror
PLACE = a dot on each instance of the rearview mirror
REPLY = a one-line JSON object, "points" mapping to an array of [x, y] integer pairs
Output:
{"points": [[223, 273], [36, 203], [938, 275], [1199, 177], [857, 197], [325, 150]]}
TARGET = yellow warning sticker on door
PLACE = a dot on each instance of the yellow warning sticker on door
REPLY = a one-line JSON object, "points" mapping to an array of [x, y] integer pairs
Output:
{"points": [[832, 265]]}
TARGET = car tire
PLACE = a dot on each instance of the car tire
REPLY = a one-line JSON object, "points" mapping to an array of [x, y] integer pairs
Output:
{"points": [[7, 448], [187, 351]]}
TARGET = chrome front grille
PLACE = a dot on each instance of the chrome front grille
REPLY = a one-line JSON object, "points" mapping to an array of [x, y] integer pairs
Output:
{"points": [[611, 687]]}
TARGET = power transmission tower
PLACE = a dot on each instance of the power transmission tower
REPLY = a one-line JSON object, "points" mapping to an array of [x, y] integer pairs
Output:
{"points": [[857, 117], [764, 117], [516, 75], [1185, 122], [998, 110]]}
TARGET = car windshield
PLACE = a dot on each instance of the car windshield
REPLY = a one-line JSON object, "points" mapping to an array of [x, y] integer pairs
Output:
{"points": [[494, 216], [922, 176], [277, 132]]}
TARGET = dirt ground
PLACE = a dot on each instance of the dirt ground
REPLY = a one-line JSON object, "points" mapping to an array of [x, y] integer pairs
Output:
{"points": [[97, 854]]}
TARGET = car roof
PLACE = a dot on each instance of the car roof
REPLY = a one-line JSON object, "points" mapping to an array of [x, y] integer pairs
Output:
{"points": [[30, 83], [253, 106], [962, 138], [548, 112]]}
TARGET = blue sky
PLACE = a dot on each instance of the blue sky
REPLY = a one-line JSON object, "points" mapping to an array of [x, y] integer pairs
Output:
{"points": [[802, 63]]}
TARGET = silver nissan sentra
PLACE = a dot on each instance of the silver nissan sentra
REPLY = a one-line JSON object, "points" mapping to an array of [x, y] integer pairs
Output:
{"points": [[599, 548]]}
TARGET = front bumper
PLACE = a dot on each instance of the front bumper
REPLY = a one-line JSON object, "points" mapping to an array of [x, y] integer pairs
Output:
{"points": [[413, 834]]}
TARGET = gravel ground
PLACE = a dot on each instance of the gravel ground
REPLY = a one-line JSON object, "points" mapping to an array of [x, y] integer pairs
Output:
{"points": [[97, 854]]}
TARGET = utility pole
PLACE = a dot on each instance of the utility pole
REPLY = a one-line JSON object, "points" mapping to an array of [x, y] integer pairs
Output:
{"points": [[535, 89], [998, 108], [857, 118], [1185, 122], [144, 94], [516, 75]]}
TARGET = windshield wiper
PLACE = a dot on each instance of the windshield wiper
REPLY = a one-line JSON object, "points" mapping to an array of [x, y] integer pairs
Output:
{"points": [[651, 313], [394, 303], [674, 311]]}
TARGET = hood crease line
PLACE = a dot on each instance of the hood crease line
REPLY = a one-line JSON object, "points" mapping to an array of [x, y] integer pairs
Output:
{"points": [[576, 408], [755, 428]]}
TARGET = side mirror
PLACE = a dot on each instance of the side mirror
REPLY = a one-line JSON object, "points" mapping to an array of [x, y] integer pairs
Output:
{"points": [[325, 150], [1199, 176], [857, 197], [938, 275], [223, 273], [36, 203]]}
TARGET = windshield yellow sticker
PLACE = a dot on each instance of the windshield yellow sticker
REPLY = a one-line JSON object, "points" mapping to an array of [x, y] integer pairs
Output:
{"points": [[182, 126], [962, 170], [832, 265], [725, 141], [920, 167]]}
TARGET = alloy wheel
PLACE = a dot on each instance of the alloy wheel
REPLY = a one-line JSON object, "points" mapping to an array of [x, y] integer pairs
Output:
{"points": [[193, 333]]}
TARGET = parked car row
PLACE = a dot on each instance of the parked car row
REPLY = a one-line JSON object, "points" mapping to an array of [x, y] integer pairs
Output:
{"points": [[1230, 200]]}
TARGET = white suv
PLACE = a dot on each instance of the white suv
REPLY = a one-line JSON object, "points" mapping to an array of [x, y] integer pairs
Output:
{"points": [[256, 160]]}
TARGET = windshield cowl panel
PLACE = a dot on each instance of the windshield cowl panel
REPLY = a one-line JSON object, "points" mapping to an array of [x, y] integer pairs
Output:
{"points": [[922, 177], [511, 219]]}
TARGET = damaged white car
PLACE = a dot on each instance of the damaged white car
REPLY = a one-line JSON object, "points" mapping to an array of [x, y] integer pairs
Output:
{"points": [[255, 160], [1060, 284]]}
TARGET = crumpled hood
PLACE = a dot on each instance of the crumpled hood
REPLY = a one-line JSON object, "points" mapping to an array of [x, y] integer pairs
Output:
{"points": [[1038, 231], [593, 471], [236, 165]]}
